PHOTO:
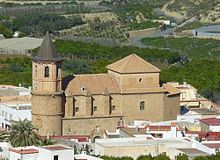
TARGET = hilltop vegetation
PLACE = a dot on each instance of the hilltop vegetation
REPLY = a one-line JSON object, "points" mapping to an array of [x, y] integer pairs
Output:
{"points": [[38, 23], [193, 47], [206, 11]]}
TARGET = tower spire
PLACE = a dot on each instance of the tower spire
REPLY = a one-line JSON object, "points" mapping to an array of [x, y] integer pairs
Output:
{"points": [[47, 51]]}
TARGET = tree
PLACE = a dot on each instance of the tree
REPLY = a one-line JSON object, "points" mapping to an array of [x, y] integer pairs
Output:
{"points": [[46, 141], [23, 133], [162, 157], [182, 157], [200, 158], [145, 157]]}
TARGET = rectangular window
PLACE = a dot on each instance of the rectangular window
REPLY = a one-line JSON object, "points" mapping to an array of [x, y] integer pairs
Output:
{"points": [[77, 109], [184, 95], [95, 108], [55, 157], [142, 103]]}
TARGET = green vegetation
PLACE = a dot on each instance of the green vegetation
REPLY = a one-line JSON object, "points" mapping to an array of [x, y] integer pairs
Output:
{"points": [[142, 25], [23, 133], [7, 33], [164, 157], [94, 51], [202, 74], [38, 24], [202, 68], [192, 8], [135, 14], [193, 47], [15, 70]]}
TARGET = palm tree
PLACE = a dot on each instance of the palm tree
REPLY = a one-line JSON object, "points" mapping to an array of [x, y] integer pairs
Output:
{"points": [[23, 133]]}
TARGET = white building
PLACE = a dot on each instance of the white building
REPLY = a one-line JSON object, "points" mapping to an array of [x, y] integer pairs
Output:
{"points": [[189, 96], [134, 147], [85, 157], [52, 152], [210, 124], [14, 112], [4, 149], [15, 104]]}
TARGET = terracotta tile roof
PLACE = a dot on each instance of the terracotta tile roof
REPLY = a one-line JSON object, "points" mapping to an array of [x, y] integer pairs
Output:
{"points": [[23, 150], [92, 84], [212, 145], [162, 128], [55, 147], [132, 64], [143, 90], [172, 90], [211, 121], [78, 137], [208, 136]]}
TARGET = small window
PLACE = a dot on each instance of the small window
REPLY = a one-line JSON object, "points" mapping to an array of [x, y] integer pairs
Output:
{"points": [[184, 95], [113, 107], [95, 108], [77, 109], [57, 71], [140, 80], [142, 103], [46, 71], [10, 118], [55, 157], [6, 115]]}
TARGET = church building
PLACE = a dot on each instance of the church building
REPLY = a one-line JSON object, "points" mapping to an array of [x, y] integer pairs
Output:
{"points": [[76, 104]]}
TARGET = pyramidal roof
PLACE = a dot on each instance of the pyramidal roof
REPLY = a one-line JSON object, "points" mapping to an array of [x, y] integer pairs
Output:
{"points": [[47, 51], [132, 64]]}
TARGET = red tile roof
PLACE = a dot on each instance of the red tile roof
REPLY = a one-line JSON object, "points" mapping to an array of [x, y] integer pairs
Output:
{"points": [[55, 147], [161, 128], [211, 121], [208, 136], [23, 150], [212, 145], [78, 137]]}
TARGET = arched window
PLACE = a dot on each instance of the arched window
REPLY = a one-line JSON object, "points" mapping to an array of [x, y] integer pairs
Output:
{"points": [[46, 71]]}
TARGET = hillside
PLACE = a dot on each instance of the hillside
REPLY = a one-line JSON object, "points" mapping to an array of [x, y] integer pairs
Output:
{"points": [[207, 11]]}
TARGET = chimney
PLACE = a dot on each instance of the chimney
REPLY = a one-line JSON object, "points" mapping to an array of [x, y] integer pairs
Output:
{"points": [[173, 130]]}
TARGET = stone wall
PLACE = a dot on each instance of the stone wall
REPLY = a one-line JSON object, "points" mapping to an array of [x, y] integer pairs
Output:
{"points": [[86, 125], [47, 114]]}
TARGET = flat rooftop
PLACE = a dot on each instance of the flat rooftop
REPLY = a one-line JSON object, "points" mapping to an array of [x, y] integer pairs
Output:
{"points": [[124, 142], [12, 90], [192, 152], [56, 147]]}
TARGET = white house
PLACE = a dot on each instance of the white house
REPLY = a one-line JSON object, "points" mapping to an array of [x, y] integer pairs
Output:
{"points": [[210, 124], [51, 152], [134, 147], [15, 104], [4, 149], [14, 112]]}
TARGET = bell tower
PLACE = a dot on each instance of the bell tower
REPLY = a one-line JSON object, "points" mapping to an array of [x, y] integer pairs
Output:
{"points": [[47, 94]]}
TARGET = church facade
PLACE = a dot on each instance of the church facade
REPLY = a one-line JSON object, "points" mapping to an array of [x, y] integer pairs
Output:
{"points": [[76, 104]]}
